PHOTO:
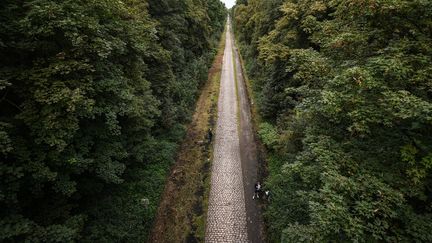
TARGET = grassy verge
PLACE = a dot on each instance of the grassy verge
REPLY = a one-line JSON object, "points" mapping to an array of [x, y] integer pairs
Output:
{"points": [[251, 94], [214, 77], [182, 212]]}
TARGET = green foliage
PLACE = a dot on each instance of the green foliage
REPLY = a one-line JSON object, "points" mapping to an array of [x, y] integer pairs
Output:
{"points": [[268, 134], [347, 86], [92, 95]]}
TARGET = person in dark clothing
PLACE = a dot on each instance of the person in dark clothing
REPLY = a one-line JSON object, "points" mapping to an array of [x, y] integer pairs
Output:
{"points": [[257, 190], [210, 135]]}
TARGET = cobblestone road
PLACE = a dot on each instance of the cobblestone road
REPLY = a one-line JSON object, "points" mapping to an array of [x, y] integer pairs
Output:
{"points": [[226, 216]]}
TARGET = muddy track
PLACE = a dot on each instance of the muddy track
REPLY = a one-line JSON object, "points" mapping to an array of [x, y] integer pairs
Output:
{"points": [[249, 153]]}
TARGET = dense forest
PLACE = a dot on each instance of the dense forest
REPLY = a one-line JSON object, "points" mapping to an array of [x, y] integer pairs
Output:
{"points": [[344, 91], [94, 96]]}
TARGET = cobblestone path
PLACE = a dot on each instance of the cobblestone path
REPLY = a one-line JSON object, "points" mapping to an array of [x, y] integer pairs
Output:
{"points": [[226, 216]]}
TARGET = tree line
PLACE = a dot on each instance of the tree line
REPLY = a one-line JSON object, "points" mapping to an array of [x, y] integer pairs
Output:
{"points": [[94, 96], [344, 89]]}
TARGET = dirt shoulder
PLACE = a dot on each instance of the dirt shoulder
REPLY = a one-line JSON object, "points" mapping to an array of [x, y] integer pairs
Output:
{"points": [[250, 155], [181, 215]]}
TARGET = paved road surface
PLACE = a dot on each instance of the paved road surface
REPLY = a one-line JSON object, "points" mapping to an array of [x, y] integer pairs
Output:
{"points": [[231, 217]]}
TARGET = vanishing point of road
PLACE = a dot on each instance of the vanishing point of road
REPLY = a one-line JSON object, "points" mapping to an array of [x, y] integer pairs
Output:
{"points": [[233, 216]]}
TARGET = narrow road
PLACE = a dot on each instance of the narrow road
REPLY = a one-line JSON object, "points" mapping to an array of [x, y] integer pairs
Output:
{"points": [[231, 216]]}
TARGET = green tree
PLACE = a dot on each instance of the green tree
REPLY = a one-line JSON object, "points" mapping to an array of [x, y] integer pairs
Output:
{"points": [[346, 85], [84, 88]]}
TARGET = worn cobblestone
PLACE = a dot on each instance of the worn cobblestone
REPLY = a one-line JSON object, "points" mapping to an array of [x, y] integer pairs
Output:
{"points": [[226, 216]]}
